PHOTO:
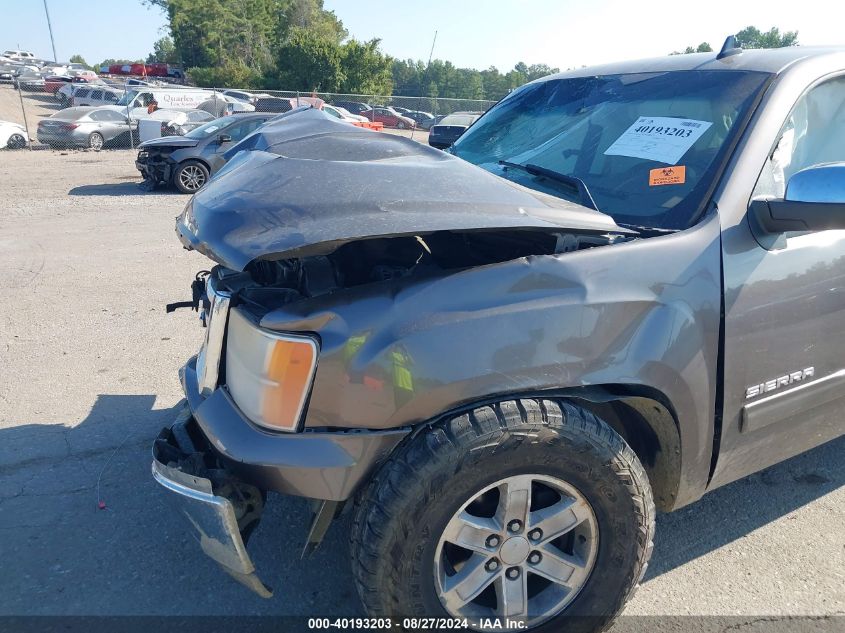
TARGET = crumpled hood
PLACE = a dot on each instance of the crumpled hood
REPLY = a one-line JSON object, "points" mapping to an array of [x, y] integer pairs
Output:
{"points": [[169, 141], [309, 184]]}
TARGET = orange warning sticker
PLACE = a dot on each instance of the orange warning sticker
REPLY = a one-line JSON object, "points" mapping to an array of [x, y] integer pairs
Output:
{"points": [[675, 175]]}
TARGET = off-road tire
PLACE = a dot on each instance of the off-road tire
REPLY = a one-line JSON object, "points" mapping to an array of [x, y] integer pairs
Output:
{"points": [[400, 516]]}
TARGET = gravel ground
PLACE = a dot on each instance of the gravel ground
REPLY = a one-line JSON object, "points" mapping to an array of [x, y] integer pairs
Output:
{"points": [[88, 362], [35, 106]]}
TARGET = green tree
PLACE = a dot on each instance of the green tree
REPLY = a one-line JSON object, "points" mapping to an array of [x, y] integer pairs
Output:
{"points": [[704, 47], [79, 59], [442, 79], [365, 69], [495, 84], [164, 50], [298, 44], [310, 15], [407, 76], [231, 73], [244, 37], [310, 62], [535, 71], [752, 37], [212, 33]]}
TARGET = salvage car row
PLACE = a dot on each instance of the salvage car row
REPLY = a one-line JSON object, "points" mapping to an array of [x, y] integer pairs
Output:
{"points": [[188, 161], [120, 117]]}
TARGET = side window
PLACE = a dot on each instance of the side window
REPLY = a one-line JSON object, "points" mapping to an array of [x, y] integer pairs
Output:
{"points": [[238, 132], [254, 125], [814, 133], [111, 97], [97, 94]]}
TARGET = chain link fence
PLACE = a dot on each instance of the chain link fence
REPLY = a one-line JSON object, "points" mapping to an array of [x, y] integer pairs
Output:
{"points": [[46, 112]]}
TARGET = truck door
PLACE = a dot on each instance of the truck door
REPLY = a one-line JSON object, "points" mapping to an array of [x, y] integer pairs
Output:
{"points": [[784, 352]]}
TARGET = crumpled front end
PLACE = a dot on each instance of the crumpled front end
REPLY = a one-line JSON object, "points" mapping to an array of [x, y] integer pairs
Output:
{"points": [[155, 167], [219, 457]]}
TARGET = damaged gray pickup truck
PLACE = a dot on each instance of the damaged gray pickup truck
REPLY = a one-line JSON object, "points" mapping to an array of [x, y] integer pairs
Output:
{"points": [[622, 288]]}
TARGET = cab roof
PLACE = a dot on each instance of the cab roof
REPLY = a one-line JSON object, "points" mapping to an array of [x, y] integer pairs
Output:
{"points": [[773, 61]]}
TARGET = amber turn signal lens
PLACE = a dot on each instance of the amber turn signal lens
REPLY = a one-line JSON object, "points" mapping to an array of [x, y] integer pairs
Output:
{"points": [[269, 374], [289, 369]]}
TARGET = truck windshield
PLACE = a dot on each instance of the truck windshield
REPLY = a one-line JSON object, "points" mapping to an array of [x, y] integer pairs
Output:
{"points": [[127, 98], [647, 146]]}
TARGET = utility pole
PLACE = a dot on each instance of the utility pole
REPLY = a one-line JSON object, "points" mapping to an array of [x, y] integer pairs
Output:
{"points": [[425, 77], [50, 27]]}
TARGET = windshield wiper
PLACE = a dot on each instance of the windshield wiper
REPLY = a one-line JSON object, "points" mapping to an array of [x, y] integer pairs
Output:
{"points": [[573, 181], [652, 230]]}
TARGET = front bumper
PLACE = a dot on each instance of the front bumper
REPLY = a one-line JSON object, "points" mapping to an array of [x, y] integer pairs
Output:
{"points": [[156, 169], [328, 465], [222, 510], [219, 465]]}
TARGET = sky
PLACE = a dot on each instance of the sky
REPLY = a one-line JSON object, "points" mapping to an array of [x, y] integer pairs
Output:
{"points": [[470, 33]]}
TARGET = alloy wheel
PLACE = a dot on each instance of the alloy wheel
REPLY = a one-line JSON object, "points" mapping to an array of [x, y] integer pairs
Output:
{"points": [[96, 141], [522, 549], [192, 178]]}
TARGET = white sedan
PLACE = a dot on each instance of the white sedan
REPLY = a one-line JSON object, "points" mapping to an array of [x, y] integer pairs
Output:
{"points": [[221, 105], [342, 113], [12, 135]]}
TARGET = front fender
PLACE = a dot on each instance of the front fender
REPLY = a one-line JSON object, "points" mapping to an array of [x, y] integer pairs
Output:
{"points": [[645, 313]]}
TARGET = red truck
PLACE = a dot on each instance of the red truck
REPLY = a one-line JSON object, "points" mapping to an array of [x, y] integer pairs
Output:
{"points": [[156, 69]]}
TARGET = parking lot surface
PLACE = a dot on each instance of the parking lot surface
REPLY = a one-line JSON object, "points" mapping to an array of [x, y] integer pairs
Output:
{"points": [[88, 362]]}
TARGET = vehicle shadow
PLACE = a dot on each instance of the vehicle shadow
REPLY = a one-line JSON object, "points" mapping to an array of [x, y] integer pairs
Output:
{"points": [[44, 99], [137, 556], [737, 509], [132, 188]]}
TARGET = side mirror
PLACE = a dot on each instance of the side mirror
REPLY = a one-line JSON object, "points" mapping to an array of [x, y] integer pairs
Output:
{"points": [[814, 201], [224, 138]]}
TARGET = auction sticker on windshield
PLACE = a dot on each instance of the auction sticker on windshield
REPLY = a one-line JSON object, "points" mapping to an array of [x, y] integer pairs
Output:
{"points": [[676, 175], [659, 138]]}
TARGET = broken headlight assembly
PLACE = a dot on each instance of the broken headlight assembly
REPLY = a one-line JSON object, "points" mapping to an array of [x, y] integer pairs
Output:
{"points": [[269, 374], [187, 218]]}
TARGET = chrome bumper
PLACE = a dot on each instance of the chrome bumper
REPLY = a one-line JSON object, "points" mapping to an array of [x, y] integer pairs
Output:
{"points": [[222, 512]]}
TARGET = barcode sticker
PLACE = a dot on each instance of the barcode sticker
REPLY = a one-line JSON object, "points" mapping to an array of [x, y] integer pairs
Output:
{"points": [[658, 138]]}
